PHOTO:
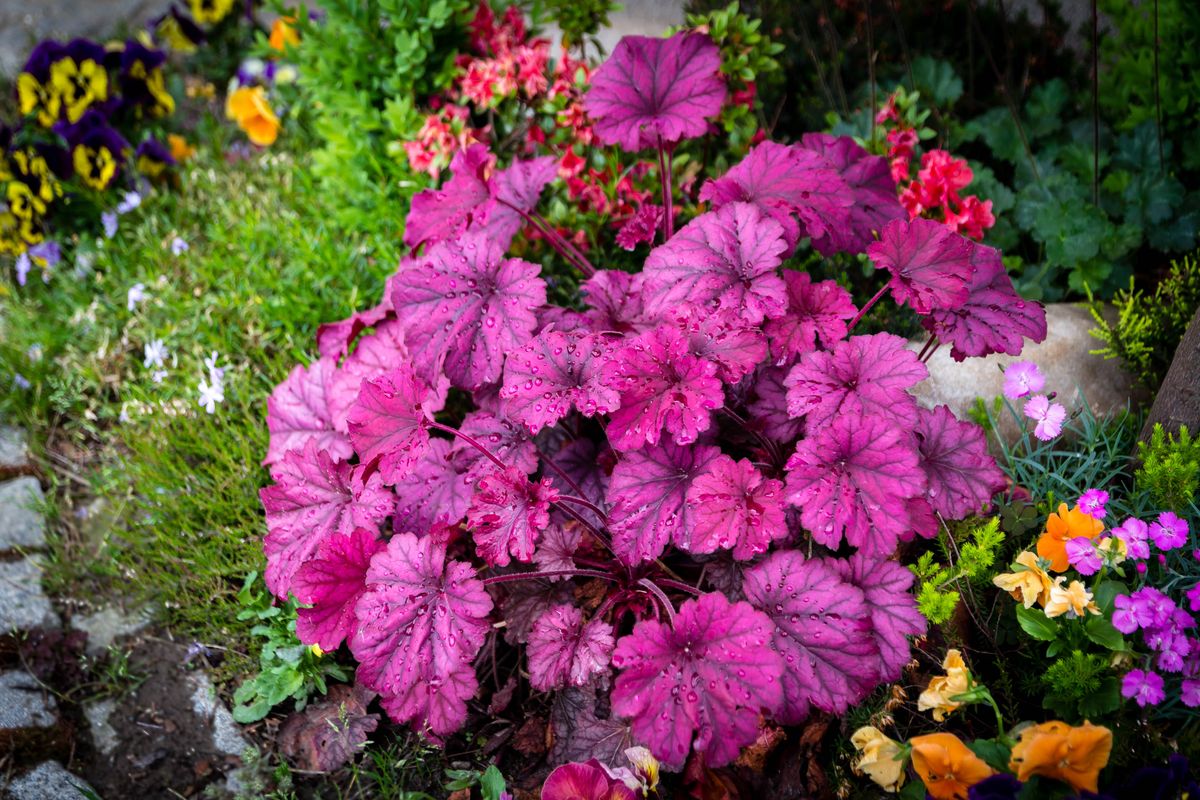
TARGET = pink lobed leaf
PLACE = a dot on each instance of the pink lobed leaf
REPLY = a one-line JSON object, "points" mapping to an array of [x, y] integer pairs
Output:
{"points": [[962, 475], [587, 781], [463, 300], [641, 227], [822, 630], [663, 388], [648, 492], [724, 259], [864, 375], [994, 319], [733, 507], [703, 681], [523, 602], [557, 547], [870, 180], [930, 264], [331, 584], [390, 422], [554, 373], [313, 497], [815, 312], [651, 89], [515, 192], [298, 412], [507, 513], [436, 491], [566, 651], [334, 338], [421, 622], [769, 408], [439, 214], [725, 339], [615, 302], [852, 478], [375, 355], [506, 440], [893, 609]]}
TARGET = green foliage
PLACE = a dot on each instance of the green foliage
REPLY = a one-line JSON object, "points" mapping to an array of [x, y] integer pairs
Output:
{"points": [[980, 540], [490, 782], [579, 20], [1170, 470], [288, 668], [1149, 327], [363, 68], [1079, 685], [1127, 84]]}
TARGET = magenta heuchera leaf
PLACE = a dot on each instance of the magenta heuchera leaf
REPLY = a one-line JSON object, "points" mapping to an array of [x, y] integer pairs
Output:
{"points": [[641, 227], [816, 312], [523, 602], [508, 441], [507, 513], [375, 354], [439, 214], [390, 422], [994, 319], [515, 192], [930, 264], [962, 475], [583, 729], [586, 462], [785, 180], [733, 507], [616, 302], [556, 547], [554, 373], [654, 89], [822, 630], [298, 412], [566, 651], [664, 388], [334, 338], [463, 300], [436, 491], [647, 494], [769, 408], [852, 477], [331, 584], [421, 622], [313, 497], [724, 259], [725, 339], [870, 180], [893, 609], [864, 375], [703, 681]]}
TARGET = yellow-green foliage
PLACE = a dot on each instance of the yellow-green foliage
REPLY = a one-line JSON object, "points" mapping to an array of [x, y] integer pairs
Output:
{"points": [[1170, 471], [973, 559]]}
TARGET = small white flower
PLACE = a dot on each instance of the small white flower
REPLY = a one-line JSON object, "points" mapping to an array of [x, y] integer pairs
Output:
{"points": [[109, 220], [20, 380], [129, 202], [215, 374], [24, 264], [135, 295], [178, 246], [211, 394], [154, 351], [83, 263], [124, 416], [34, 352], [158, 375]]}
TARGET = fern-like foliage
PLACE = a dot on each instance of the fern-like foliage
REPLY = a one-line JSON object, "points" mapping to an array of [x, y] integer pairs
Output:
{"points": [[1148, 327], [1080, 685], [1170, 471], [972, 558]]}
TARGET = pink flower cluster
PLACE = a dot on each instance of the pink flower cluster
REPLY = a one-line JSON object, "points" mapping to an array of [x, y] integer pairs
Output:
{"points": [[1166, 630], [1023, 379]]}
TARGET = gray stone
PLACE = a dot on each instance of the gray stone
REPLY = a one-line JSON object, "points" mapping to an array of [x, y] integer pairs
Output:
{"points": [[49, 781], [1064, 358], [21, 524], [14, 455], [24, 703], [104, 735], [24, 22], [108, 624], [226, 736], [23, 604]]}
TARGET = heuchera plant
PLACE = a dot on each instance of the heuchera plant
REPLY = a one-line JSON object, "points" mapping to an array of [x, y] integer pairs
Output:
{"points": [[685, 490]]}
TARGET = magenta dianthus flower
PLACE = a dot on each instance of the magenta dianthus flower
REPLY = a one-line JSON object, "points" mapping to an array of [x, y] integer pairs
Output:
{"points": [[1049, 416], [1082, 555], [1134, 533], [1021, 379], [1189, 692], [1169, 532], [1092, 503], [1145, 687]]}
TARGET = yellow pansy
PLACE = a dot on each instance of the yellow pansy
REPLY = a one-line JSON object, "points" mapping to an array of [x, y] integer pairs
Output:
{"points": [[34, 171], [1074, 598], [248, 105], [95, 165], [1029, 585], [210, 12], [33, 95], [881, 759], [22, 202], [937, 696], [79, 85]]}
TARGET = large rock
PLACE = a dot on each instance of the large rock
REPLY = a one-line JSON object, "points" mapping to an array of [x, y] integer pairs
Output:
{"points": [[24, 22], [107, 625], [49, 781], [23, 604], [21, 523], [1064, 358], [104, 735], [14, 454], [226, 736], [24, 703]]}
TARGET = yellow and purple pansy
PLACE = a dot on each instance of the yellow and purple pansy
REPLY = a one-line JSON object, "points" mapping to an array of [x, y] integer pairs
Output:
{"points": [[153, 158], [143, 88], [80, 78], [35, 94], [31, 167], [97, 149], [177, 31], [210, 12]]}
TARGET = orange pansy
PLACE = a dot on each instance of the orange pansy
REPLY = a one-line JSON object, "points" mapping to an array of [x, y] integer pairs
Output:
{"points": [[1060, 529], [283, 34], [1074, 755], [248, 105], [946, 766]]}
